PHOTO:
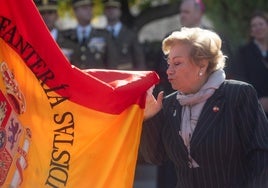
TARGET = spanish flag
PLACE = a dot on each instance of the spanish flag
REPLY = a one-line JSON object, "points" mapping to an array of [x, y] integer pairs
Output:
{"points": [[61, 126]]}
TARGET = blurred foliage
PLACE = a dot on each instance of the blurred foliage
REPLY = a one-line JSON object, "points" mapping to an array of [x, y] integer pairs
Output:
{"points": [[231, 17], [65, 6]]}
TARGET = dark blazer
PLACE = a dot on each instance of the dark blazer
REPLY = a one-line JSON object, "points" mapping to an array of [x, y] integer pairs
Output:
{"points": [[250, 67], [131, 55], [229, 144], [98, 51]]}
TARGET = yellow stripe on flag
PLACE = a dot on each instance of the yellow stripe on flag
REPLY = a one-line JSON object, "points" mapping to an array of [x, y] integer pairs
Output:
{"points": [[73, 141]]}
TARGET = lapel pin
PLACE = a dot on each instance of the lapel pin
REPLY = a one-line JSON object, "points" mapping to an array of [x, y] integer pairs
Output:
{"points": [[215, 109], [174, 113]]}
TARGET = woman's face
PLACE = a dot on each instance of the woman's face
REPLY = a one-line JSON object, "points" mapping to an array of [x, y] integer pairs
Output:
{"points": [[183, 73], [259, 28]]}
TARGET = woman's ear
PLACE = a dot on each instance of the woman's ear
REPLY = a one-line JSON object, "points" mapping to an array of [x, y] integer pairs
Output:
{"points": [[203, 65]]}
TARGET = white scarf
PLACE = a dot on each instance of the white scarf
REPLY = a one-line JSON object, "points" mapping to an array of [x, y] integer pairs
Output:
{"points": [[192, 107]]}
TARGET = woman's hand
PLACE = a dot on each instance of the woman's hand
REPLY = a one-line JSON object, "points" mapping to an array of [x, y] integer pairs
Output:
{"points": [[153, 106]]}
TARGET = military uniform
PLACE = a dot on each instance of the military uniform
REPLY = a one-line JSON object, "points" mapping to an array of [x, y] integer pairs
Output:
{"points": [[97, 51], [51, 7], [130, 51], [91, 47]]}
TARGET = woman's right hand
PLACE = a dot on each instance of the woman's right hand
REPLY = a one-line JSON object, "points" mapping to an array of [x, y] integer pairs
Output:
{"points": [[153, 106]]}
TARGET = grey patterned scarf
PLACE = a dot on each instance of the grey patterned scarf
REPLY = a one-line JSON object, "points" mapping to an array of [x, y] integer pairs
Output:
{"points": [[192, 107]]}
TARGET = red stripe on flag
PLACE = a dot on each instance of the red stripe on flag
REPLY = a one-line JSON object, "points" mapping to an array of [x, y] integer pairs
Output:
{"points": [[22, 28]]}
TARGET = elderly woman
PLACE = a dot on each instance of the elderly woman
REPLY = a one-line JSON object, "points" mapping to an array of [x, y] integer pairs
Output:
{"points": [[213, 130]]}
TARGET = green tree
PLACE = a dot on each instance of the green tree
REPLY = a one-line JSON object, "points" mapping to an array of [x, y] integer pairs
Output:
{"points": [[232, 16]]}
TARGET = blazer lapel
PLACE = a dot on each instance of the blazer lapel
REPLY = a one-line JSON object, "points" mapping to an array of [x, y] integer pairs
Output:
{"points": [[211, 112], [175, 120]]}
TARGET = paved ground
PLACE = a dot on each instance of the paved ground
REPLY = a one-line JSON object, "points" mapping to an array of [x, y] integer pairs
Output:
{"points": [[145, 176]]}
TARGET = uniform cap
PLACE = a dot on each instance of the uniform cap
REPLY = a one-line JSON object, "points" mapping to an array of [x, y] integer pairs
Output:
{"points": [[43, 5], [112, 3], [77, 3]]}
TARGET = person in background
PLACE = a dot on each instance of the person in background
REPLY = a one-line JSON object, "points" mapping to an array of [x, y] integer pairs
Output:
{"points": [[252, 58], [49, 12], [131, 55], [92, 47], [213, 129], [191, 15]]}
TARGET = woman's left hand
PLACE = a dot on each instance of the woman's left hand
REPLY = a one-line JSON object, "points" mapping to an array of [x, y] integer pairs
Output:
{"points": [[153, 106]]}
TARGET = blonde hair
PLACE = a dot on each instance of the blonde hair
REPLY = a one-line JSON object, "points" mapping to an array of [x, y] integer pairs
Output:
{"points": [[205, 44]]}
